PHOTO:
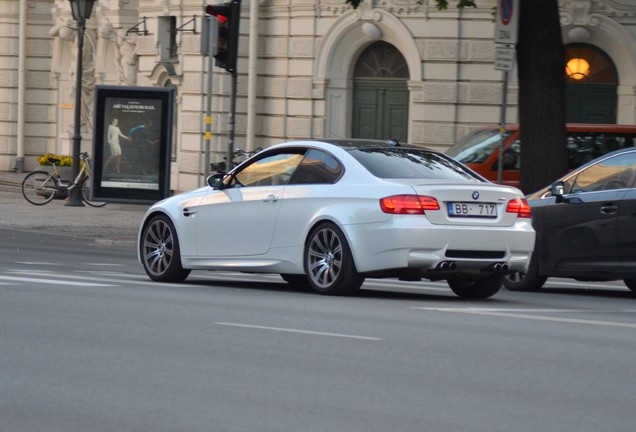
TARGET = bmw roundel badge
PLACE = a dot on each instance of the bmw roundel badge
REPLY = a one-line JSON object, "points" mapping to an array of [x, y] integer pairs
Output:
{"points": [[475, 195]]}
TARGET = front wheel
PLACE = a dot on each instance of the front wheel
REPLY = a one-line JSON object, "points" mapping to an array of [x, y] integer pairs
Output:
{"points": [[86, 195], [476, 289], [295, 279], [530, 280], [329, 263], [159, 251], [38, 187], [631, 284]]}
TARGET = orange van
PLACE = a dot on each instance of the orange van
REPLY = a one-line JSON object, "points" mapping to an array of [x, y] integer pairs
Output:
{"points": [[480, 149]]}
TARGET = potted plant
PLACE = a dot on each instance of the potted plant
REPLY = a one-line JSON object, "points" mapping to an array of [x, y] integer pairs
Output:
{"points": [[64, 167]]}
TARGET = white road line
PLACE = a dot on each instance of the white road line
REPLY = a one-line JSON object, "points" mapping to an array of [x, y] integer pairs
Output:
{"points": [[38, 263], [494, 313], [297, 331], [50, 282]]}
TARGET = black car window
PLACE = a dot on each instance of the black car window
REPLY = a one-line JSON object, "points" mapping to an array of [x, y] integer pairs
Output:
{"points": [[317, 167], [410, 163], [608, 174], [271, 169]]}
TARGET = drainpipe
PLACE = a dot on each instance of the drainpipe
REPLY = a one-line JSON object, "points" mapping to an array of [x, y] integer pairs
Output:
{"points": [[18, 165], [252, 75], [458, 70]]}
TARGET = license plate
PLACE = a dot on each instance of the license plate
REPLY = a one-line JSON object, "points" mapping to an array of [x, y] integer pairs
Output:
{"points": [[472, 209]]}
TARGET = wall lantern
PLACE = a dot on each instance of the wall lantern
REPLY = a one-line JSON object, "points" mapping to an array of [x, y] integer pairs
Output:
{"points": [[81, 9], [577, 68]]}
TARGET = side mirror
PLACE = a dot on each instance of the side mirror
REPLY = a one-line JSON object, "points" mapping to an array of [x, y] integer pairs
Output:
{"points": [[216, 181], [557, 189]]}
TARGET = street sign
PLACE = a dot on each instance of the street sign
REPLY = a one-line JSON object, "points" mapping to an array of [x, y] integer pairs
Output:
{"points": [[506, 25], [504, 58]]}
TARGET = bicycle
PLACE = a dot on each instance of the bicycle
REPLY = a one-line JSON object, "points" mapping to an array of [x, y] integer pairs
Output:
{"points": [[41, 187]]}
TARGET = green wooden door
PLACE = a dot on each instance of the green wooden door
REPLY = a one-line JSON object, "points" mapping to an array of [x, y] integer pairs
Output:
{"points": [[380, 109], [591, 103]]}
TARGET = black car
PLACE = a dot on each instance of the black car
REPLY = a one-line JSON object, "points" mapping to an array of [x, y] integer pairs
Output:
{"points": [[586, 225]]}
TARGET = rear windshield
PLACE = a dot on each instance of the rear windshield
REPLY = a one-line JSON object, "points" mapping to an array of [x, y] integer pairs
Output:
{"points": [[476, 147], [409, 163]]}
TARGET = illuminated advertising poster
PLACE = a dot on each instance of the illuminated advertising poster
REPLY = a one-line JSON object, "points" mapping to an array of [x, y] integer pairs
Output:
{"points": [[133, 130]]}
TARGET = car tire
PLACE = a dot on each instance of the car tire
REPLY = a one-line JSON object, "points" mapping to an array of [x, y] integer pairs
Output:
{"points": [[295, 279], [329, 263], [528, 281], [159, 251], [476, 289], [631, 284]]}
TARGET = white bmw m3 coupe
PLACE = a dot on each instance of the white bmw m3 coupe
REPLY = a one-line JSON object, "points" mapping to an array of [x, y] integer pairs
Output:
{"points": [[330, 213]]}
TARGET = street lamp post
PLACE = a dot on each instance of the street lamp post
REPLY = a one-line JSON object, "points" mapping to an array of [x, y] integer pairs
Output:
{"points": [[81, 12]]}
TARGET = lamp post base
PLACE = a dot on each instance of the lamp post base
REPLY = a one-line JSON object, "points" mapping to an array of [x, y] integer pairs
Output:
{"points": [[74, 199]]}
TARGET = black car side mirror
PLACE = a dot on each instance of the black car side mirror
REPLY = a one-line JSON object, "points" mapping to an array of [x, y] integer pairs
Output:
{"points": [[557, 189]]}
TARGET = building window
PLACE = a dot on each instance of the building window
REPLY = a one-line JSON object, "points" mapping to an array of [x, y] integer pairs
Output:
{"points": [[167, 38]]}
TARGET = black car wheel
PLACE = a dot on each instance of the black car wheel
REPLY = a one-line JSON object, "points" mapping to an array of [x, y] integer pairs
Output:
{"points": [[631, 284], [328, 262], [476, 289], [295, 279], [530, 280], [159, 251]]}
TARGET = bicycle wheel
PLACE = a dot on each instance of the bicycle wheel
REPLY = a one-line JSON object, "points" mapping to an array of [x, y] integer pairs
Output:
{"points": [[86, 195], [38, 187]]}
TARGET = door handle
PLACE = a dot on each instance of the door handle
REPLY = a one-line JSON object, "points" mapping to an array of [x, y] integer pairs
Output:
{"points": [[609, 209], [270, 198]]}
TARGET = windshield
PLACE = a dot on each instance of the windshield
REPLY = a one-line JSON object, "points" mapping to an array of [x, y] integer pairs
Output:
{"points": [[409, 163], [477, 146]]}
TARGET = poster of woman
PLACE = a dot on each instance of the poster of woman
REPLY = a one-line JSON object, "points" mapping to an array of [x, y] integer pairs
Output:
{"points": [[132, 142]]}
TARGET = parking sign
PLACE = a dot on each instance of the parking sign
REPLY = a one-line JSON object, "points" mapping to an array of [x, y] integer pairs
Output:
{"points": [[506, 27]]}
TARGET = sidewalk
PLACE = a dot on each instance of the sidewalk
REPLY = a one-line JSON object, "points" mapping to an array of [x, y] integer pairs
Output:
{"points": [[114, 225]]}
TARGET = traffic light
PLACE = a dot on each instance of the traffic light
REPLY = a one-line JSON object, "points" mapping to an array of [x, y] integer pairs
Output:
{"points": [[228, 16]]}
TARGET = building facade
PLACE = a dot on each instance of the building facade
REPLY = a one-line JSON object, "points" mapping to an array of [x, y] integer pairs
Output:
{"points": [[307, 69]]}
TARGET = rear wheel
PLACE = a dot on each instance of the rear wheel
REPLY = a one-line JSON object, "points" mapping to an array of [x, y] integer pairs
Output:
{"points": [[86, 195], [476, 289], [159, 251], [329, 263], [38, 188], [530, 280]]}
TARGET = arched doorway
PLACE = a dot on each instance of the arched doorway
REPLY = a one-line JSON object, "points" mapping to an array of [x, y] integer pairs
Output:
{"points": [[380, 94], [591, 84]]}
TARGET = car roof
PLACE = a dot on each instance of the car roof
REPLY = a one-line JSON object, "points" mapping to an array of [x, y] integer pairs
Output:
{"points": [[360, 143]]}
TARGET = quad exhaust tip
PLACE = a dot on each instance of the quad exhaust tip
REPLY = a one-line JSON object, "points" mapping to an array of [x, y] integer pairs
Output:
{"points": [[498, 267], [447, 266]]}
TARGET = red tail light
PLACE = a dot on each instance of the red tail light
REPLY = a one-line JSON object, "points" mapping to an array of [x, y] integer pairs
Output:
{"points": [[408, 204], [519, 206]]}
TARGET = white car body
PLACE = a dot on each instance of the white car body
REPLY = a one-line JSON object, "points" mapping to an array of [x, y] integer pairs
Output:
{"points": [[266, 228]]}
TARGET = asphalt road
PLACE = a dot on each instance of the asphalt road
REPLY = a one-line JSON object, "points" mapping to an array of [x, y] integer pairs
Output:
{"points": [[89, 343]]}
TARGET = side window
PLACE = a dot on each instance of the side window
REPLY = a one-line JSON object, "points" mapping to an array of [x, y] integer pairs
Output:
{"points": [[317, 167], [614, 173], [272, 169]]}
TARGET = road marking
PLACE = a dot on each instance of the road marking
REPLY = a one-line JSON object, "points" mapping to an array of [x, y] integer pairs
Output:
{"points": [[297, 331], [51, 282], [496, 313], [38, 263]]}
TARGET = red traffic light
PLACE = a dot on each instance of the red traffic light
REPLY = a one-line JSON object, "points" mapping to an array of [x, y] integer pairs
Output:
{"points": [[221, 12]]}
